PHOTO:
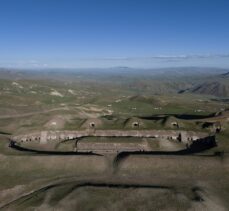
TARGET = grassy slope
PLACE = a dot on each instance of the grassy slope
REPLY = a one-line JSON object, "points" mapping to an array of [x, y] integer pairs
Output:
{"points": [[17, 168]]}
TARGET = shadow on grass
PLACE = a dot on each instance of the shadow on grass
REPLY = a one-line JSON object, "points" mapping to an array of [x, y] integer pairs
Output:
{"points": [[196, 147], [5, 133], [178, 116]]}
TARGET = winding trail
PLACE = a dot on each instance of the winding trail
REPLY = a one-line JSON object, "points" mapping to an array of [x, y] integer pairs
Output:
{"points": [[100, 182]]}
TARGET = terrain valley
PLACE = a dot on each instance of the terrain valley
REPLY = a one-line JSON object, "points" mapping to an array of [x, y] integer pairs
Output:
{"points": [[114, 139]]}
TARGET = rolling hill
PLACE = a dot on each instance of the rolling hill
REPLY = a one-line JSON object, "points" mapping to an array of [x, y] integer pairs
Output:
{"points": [[216, 88]]}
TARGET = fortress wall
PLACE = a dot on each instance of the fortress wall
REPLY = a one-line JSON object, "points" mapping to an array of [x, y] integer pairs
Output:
{"points": [[27, 137], [189, 139], [45, 136]]}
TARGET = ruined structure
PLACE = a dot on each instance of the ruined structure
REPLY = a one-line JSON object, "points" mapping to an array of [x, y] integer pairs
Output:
{"points": [[73, 140]]}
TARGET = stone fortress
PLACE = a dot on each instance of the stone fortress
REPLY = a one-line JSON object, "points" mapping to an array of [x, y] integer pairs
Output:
{"points": [[77, 140]]}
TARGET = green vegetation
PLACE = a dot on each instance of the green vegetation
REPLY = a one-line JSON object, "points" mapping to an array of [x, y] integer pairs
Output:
{"points": [[67, 101]]}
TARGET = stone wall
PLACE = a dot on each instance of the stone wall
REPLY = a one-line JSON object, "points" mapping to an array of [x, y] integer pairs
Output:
{"points": [[52, 138], [46, 136]]}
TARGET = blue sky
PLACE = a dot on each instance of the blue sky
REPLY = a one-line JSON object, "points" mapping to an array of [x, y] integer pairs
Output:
{"points": [[107, 33]]}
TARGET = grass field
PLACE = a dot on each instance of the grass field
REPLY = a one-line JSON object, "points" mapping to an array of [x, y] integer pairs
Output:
{"points": [[30, 181]]}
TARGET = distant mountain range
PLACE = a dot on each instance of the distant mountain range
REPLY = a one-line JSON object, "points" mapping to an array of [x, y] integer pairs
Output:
{"points": [[196, 80], [225, 74], [216, 88]]}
